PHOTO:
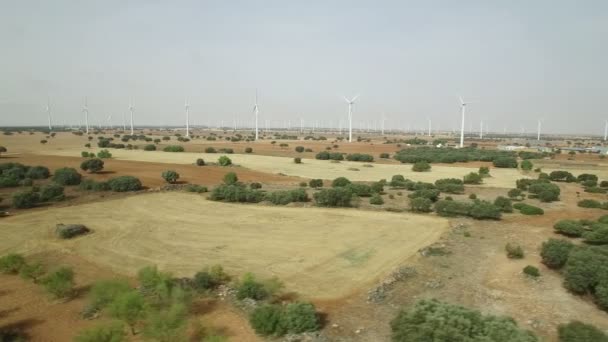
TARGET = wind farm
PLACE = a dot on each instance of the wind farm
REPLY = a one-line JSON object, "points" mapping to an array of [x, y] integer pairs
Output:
{"points": [[305, 172]]}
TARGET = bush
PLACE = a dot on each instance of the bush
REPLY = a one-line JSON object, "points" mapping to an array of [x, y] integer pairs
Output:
{"points": [[589, 203], [31, 272], [60, 283], [360, 157], [150, 147], [8, 182], [266, 320], [287, 196], [526, 165], [25, 199], [587, 177], [236, 193], [51, 192], [12, 263], [576, 331], [421, 204], [67, 176], [485, 210], [104, 154], [599, 236], [231, 178], [298, 318], [333, 197], [248, 150], [584, 269], [329, 156], [299, 149], [446, 155], [170, 176], [570, 228], [484, 171], [450, 185], [173, 148], [196, 188], [37, 172], [224, 161], [473, 178], [504, 204], [505, 162], [376, 200], [129, 307], [452, 208], [256, 185], [531, 270], [384, 155], [340, 182], [555, 252], [561, 176], [431, 194], [91, 185], [378, 187], [103, 292], [125, 183], [210, 150], [362, 190], [316, 183], [527, 209], [421, 166], [431, 320], [249, 287], [514, 251], [92, 165], [297, 160], [112, 332], [547, 192]]}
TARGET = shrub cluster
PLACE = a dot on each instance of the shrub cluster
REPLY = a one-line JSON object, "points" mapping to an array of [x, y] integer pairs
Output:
{"points": [[505, 162], [421, 166], [514, 251], [450, 185], [333, 197], [546, 192], [528, 209], [124, 184], [570, 228], [324, 155], [478, 209], [448, 155], [562, 176], [173, 148], [236, 192], [67, 176], [276, 320], [287, 196], [316, 183], [473, 178], [360, 157], [92, 165]]}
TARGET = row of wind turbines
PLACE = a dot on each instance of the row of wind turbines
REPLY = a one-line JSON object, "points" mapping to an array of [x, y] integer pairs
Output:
{"points": [[256, 111]]}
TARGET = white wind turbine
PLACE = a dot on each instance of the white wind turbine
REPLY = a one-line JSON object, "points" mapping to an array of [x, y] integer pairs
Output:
{"points": [[463, 106], [383, 120], [350, 116], [481, 129], [109, 123], [605, 130], [187, 118], [48, 112], [124, 122], [538, 130], [256, 113], [430, 127], [131, 109], [85, 109]]}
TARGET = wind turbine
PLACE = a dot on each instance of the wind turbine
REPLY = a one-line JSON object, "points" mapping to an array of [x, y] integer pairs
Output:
{"points": [[131, 109], [85, 109], [187, 118], [538, 130], [481, 129], [256, 111], [124, 125], [48, 112], [383, 120], [463, 106], [605, 130], [350, 116], [430, 122], [109, 123]]}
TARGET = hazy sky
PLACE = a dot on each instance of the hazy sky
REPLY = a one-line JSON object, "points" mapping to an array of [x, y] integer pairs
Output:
{"points": [[521, 60]]}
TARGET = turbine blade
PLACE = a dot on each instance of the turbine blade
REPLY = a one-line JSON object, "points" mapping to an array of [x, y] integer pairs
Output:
{"points": [[354, 98], [345, 99], [461, 100]]}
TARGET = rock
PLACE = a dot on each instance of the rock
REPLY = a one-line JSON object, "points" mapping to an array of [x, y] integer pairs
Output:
{"points": [[335, 325]]}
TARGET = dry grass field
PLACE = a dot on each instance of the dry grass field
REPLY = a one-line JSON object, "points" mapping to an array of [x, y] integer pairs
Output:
{"points": [[319, 253]]}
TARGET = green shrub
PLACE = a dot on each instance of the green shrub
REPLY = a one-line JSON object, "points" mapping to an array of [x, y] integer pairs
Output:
{"points": [[505, 162], [249, 287], [210, 150], [266, 320], [576, 331], [170, 176], [287, 196], [526, 165], [51, 192], [25, 199], [8, 182], [362, 190], [561, 176], [555, 252], [196, 188], [248, 150], [473, 196], [340, 182], [484, 171], [31, 272], [589, 203], [531, 270], [504, 204], [527, 209], [124, 183], [570, 228], [421, 166], [324, 155], [297, 160], [112, 332], [377, 187], [334, 197], [91, 185], [92, 165], [298, 318], [67, 176], [473, 178], [360, 157], [128, 307], [60, 283], [452, 208], [384, 155], [547, 192], [299, 149], [174, 148], [376, 200], [431, 194], [587, 177], [431, 320], [421, 204], [585, 269], [256, 185], [482, 210], [236, 193], [103, 292], [200, 162], [446, 155], [224, 161], [450, 185], [230, 178], [12, 263], [514, 251], [316, 183], [599, 236], [104, 154], [37, 172]]}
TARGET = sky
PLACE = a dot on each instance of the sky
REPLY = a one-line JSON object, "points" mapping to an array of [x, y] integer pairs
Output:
{"points": [[519, 61]]}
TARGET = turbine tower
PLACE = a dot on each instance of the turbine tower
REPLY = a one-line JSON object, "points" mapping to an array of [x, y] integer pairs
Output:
{"points": [[85, 109], [256, 112], [383, 120], [48, 112], [124, 122], [538, 131], [430, 122], [187, 118], [463, 106], [481, 129], [350, 117], [605, 130], [131, 109]]}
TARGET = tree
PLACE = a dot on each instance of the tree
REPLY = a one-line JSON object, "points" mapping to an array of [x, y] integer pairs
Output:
{"points": [[431, 320], [230, 178], [504, 204], [129, 307], [421, 166], [51, 192], [484, 171], [376, 199], [37, 172], [2, 150], [150, 147], [92, 165], [334, 197], [473, 178], [103, 292], [60, 283], [112, 332], [67, 176], [299, 149], [200, 162], [526, 165], [505, 162], [104, 154], [224, 161], [170, 176], [340, 182], [316, 183], [25, 199], [297, 160]]}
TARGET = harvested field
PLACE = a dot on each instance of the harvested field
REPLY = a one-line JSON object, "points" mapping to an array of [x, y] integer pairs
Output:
{"points": [[312, 168], [321, 253]]}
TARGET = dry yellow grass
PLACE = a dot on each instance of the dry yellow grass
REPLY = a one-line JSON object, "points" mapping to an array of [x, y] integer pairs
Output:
{"points": [[321, 253], [312, 168]]}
